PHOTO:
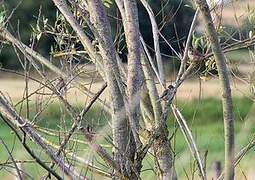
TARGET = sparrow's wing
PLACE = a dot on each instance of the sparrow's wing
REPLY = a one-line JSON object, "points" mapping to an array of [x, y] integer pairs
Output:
{"points": [[164, 94]]}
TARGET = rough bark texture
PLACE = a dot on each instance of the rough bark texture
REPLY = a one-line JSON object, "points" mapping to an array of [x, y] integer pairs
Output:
{"points": [[119, 121], [161, 145], [226, 90], [152, 91], [131, 29]]}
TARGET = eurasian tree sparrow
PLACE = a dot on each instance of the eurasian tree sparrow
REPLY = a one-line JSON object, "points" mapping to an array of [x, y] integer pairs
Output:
{"points": [[168, 93]]}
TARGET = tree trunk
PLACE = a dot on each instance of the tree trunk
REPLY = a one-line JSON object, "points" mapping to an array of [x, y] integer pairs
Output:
{"points": [[120, 128], [226, 90]]}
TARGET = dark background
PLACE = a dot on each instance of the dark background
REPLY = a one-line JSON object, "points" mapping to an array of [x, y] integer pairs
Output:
{"points": [[25, 16]]}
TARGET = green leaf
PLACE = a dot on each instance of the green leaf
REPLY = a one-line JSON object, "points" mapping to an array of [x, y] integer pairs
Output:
{"points": [[194, 38], [2, 16], [107, 3]]}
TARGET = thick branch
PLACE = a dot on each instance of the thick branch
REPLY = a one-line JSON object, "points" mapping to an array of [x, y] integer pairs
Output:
{"points": [[131, 29], [106, 46], [226, 90]]}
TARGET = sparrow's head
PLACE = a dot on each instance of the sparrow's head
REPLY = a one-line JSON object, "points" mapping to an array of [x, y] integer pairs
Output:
{"points": [[170, 86]]}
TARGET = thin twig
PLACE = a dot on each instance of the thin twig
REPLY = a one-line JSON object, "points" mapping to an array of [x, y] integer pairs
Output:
{"points": [[75, 124], [190, 140], [155, 32], [30, 152], [185, 55], [240, 155], [12, 159], [11, 114]]}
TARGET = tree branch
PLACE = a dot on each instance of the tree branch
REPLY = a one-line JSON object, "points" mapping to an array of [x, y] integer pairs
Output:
{"points": [[155, 32], [11, 114], [226, 89]]}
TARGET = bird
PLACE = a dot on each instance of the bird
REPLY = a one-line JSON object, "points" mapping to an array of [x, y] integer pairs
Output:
{"points": [[194, 55], [61, 86], [168, 93]]}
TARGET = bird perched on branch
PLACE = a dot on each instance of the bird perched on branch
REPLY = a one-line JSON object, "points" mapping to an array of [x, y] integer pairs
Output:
{"points": [[195, 56], [168, 94]]}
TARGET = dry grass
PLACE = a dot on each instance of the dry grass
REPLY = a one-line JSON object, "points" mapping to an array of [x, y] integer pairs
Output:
{"points": [[192, 89], [233, 14], [237, 11]]}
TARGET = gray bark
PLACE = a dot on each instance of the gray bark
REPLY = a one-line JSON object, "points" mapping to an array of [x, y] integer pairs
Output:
{"points": [[119, 121], [155, 32], [216, 170], [161, 145], [131, 29], [226, 90]]}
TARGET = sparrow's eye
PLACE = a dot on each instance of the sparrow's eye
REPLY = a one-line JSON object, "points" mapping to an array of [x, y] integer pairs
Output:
{"points": [[170, 86]]}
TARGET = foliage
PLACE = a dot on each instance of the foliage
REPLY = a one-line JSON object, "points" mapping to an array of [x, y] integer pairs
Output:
{"points": [[22, 22], [171, 15]]}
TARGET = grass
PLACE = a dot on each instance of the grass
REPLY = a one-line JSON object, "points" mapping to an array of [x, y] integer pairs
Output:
{"points": [[210, 109], [210, 138], [241, 55], [203, 116]]}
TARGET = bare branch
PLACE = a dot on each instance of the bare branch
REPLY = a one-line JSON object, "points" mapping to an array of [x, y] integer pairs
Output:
{"points": [[30, 152], [117, 95], [75, 125], [190, 140], [241, 154], [185, 55], [156, 40], [11, 114], [12, 159], [134, 81], [26, 50], [226, 89], [89, 136], [62, 6]]}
